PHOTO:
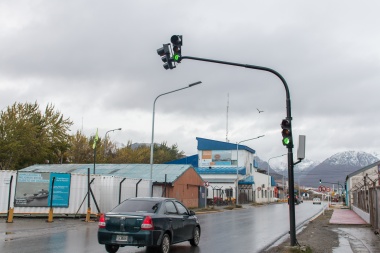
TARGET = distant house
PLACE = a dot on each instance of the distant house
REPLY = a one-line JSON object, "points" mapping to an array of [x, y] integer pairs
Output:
{"points": [[222, 164]]}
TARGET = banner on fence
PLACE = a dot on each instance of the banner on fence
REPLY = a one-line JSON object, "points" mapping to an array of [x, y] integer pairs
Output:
{"points": [[33, 189]]}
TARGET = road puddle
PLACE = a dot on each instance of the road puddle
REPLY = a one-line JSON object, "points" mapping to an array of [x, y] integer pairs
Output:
{"points": [[357, 239]]}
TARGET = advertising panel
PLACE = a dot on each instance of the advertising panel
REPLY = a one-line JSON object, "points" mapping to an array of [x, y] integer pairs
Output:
{"points": [[61, 189], [216, 157], [33, 189]]}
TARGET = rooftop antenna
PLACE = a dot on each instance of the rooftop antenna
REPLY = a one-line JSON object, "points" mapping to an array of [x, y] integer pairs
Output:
{"points": [[228, 102]]}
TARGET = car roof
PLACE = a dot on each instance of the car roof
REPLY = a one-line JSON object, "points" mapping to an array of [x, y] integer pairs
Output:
{"points": [[151, 198]]}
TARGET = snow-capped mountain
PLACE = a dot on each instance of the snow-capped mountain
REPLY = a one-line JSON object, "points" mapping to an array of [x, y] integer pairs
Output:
{"points": [[353, 158], [306, 165], [334, 169]]}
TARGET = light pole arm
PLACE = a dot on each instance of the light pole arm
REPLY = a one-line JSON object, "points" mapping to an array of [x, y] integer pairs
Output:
{"points": [[105, 139], [152, 139]]}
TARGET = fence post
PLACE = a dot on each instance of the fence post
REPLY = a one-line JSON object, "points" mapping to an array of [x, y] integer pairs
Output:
{"points": [[10, 210], [50, 216]]}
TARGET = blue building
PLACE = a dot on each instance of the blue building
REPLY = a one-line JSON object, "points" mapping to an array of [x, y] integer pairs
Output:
{"points": [[228, 168]]}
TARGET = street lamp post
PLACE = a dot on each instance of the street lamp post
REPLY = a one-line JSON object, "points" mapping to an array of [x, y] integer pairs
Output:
{"points": [[268, 172], [237, 165], [105, 139], [152, 144]]}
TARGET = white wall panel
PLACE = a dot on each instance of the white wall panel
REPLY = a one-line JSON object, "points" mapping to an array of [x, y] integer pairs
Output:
{"points": [[5, 176], [104, 188]]}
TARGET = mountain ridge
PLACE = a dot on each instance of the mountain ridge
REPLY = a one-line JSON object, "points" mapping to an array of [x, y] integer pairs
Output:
{"points": [[333, 169]]}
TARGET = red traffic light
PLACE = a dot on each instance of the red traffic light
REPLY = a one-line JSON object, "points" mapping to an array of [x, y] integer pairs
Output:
{"points": [[176, 40]]}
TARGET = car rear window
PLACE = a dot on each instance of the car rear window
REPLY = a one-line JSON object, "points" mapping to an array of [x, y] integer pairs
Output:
{"points": [[143, 206]]}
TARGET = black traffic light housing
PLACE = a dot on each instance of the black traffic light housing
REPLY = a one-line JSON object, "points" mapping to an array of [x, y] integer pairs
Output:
{"points": [[286, 133], [320, 181], [176, 41], [164, 52]]}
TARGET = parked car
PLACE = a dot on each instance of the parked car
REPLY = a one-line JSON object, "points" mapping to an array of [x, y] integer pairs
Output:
{"points": [[317, 201], [151, 222]]}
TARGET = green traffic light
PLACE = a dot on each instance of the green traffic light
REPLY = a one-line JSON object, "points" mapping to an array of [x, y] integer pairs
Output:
{"points": [[286, 141], [176, 57]]}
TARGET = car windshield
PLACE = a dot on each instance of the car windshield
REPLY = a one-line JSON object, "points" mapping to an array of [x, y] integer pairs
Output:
{"points": [[140, 206]]}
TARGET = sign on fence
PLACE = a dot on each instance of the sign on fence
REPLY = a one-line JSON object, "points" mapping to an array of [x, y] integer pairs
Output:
{"points": [[34, 189]]}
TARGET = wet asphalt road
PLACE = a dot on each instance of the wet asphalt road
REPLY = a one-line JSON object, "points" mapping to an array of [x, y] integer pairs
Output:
{"points": [[248, 230]]}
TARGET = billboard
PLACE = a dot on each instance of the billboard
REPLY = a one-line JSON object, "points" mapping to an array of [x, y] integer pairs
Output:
{"points": [[33, 189], [216, 157]]}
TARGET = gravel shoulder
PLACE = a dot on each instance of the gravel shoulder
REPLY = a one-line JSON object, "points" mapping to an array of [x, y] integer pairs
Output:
{"points": [[317, 236]]}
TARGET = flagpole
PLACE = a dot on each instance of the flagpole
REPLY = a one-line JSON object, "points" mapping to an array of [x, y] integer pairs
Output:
{"points": [[96, 138], [94, 158]]}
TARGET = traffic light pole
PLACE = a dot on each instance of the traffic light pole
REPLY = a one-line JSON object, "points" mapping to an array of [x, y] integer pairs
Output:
{"points": [[292, 218]]}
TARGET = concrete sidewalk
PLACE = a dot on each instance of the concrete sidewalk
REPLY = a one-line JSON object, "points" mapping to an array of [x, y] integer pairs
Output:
{"points": [[346, 216]]}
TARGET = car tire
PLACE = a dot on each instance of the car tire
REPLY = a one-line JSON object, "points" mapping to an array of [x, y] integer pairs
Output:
{"points": [[165, 244], [110, 248], [196, 237]]}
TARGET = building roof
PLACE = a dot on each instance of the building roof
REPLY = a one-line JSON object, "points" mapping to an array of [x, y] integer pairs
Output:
{"points": [[220, 170], [193, 160], [135, 171], [206, 144]]}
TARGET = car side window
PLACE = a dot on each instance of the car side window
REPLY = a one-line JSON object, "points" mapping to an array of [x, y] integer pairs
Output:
{"points": [[170, 208], [181, 209]]}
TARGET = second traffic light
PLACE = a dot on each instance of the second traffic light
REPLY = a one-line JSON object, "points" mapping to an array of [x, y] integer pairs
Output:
{"points": [[176, 40], [286, 133], [164, 52]]}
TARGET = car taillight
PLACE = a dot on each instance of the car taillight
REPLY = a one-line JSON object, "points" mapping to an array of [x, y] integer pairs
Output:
{"points": [[147, 223], [102, 221]]}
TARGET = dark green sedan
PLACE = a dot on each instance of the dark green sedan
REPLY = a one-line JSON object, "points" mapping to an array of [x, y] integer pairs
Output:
{"points": [[155, 223]]}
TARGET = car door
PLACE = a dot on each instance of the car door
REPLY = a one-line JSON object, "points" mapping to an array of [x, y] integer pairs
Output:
{"points": [[188, 221], [174, 220]]}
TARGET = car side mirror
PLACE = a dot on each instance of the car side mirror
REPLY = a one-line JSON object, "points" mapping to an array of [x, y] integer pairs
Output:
{"points": [[192, 213]]}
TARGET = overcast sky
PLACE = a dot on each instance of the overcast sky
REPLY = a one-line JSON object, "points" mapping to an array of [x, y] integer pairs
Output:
{"points": [[96, 62]]}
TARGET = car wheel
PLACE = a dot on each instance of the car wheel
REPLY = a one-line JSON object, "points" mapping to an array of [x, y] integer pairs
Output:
{"points": [[196, 237], [165, 244], [112, 248]]}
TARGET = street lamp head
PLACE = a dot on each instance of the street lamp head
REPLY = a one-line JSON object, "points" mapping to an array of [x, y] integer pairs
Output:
{"points": [[193, 84], [118, 128]]}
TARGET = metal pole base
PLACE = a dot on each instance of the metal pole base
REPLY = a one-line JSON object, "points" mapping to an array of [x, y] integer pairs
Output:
{"points": [[50, 217], [10, 216], [88, 215]]}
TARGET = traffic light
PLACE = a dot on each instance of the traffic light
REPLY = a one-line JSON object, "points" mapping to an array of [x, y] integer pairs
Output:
{"points": [[176, 40], [320, 181], [164, 52], [286, 133]]}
